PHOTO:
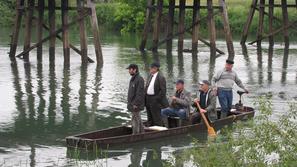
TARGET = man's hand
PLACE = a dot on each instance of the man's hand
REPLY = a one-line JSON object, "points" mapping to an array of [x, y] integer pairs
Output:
{"points": [[196, 100], [173, 98], [203, 111]]}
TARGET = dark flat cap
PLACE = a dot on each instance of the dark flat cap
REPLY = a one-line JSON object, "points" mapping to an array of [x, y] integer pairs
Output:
{"points": [[133, 66], [204, 82], [179, 81], [155, 64], [228, 61]]}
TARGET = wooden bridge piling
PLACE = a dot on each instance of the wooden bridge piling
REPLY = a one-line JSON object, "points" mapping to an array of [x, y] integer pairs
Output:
{"points": [[27, 8], [260, 7], [182, 6]]}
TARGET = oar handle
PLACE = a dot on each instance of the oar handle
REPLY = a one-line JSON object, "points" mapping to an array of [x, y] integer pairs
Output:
{"points": [[203, 116]]}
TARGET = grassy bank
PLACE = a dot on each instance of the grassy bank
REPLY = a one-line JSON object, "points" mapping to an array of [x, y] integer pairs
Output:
{"points": [[128, 15]]}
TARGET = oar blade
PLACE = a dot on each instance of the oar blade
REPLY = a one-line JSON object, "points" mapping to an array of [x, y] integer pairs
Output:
{"points": [[211, 132]]}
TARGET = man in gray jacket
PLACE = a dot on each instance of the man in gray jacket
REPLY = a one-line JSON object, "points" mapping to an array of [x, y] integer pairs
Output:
{"points": [[224, 81], [180, 104], [136, 98], [207, 101]]}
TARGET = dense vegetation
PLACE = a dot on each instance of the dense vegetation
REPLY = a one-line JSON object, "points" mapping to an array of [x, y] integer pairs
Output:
{"points": [[264, 141], [129, 15]]}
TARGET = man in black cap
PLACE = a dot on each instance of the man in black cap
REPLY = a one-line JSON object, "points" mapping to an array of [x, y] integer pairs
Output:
{"points": [[180, 104], [136, 98], [155, 95], [207, 101], [224, 81]]}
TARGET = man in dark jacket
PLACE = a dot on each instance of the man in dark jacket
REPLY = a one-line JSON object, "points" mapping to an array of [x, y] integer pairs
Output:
{"points": [[155, 95], [136, 98], [207, 101]]}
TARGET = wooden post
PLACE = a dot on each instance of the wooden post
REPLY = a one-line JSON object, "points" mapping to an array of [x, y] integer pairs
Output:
{"points": [[212, 30], [65, 33], [17, 26], [157, 25], [261, 19], [248, 22], [285, 22], [227, 30], [28, 28], [181, 25], [270, 17], [147, 24], [82, 33], [40, 28], [94, 23], [170, 24], [195, 31], [52, 27]]}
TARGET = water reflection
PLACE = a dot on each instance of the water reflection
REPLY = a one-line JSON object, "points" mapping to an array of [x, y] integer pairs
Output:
{"points": [[285, 65], [52, 96], [260, 65], [270, 56], [181, 70], [248, 63], [65, 104], [195, 74]]}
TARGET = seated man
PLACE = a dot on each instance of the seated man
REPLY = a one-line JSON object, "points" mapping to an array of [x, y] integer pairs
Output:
{"points": [[207, 101], [180, 104]]}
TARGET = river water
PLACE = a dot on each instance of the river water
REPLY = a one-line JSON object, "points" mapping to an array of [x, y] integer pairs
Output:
{"points": [[41, 105]]}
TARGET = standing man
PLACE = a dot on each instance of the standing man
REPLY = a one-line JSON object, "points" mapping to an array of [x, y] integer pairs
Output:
{"points": [[180, 104], [136, 98], [207, 101], [155, 98], [224, 81]]}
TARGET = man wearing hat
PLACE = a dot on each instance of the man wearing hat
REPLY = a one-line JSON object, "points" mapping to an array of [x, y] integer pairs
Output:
{"points": [[224, 81], [207, 101], [155, 95], [136, 98], [180, 104]]}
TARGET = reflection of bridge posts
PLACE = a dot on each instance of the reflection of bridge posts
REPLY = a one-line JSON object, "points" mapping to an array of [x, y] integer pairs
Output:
{"points": [[65, 97], [82, 108], [40, 93], [181, 71], [29, 92], [285, 65], [212, 63], [260, 65], [97, 84], [247, 62], [52, 96], [270, 55], [195, 75]]}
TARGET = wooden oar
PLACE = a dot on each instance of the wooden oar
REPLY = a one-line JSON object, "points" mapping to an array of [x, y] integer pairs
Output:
{"points": [[210, 130]]}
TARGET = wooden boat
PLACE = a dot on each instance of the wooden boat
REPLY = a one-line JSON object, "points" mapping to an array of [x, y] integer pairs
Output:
{"points": [[115, 136]]}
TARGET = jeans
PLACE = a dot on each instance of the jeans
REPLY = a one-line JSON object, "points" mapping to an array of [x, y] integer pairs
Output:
{"points": [[172, 112], [225, 99]]}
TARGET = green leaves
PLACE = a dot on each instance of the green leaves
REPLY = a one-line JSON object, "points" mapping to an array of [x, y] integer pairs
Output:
{"points": [[265, 141]]}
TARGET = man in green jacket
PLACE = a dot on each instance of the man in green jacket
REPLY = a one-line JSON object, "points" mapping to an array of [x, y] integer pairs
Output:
{"points": [[207, 101], [136, 98]]}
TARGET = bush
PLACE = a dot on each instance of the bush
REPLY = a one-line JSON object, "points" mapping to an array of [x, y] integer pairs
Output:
{"points": [[262, 143]]}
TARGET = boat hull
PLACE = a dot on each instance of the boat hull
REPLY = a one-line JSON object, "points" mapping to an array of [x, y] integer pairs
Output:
{"points": [[123, 135]]}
